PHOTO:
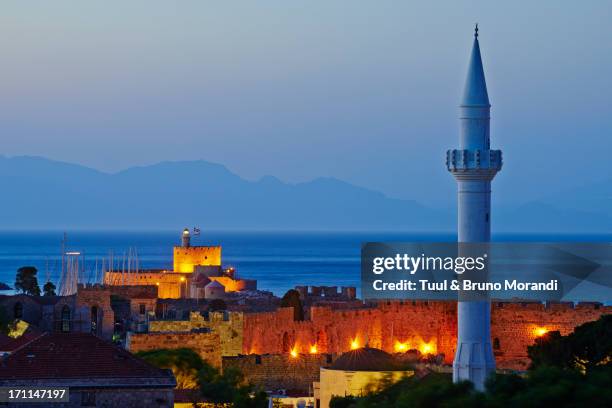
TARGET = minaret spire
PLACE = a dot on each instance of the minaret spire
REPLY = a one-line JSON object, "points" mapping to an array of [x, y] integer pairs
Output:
{"points": [[475, 92], [474, 165]]}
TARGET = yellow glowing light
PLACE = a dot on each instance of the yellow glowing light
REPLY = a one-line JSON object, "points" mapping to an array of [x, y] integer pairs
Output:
{"points": [[157, 283], [400, 347], [294, 352], [182, 279], [354, 344], [427, 348], [540, 331], [313, 349]]}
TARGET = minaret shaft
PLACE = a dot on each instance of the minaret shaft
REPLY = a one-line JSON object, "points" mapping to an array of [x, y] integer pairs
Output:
{"points": [[474, 165]]}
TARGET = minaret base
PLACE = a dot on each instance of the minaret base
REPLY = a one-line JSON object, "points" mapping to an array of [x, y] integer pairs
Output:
{"points": [[474, 359], [469, 367]]}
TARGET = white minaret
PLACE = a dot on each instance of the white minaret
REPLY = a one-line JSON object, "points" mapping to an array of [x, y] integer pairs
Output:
{"points": [[474, 165]]}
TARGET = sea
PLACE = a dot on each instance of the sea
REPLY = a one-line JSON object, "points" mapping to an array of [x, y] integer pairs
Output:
{"points": [[277, 260]]}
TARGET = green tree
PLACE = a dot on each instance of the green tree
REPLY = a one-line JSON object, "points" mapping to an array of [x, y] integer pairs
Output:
{"points": [[229, 387], [542, 387], [49, 289], [292, 299], [552, 349], [193, 373], [26, 281], [589, 346], [184, 363]]}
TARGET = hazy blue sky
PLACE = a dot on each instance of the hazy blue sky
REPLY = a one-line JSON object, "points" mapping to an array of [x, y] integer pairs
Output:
{"points": [[366, 91]]}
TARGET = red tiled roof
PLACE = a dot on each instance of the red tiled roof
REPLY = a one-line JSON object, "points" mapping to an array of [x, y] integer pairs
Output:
{"points": [[5, 341], [74, 355], [9, 344]]}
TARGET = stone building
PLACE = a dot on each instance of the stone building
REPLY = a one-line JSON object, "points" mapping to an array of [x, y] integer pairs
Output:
{"points": [[87, 311], [190, 263], [228, 325], [356, 372], [97, 373]]}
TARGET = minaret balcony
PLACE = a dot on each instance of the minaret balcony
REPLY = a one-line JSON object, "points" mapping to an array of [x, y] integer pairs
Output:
{"points": [[484, 162]]}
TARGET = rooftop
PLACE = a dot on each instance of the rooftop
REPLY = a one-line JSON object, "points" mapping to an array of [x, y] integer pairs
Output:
{"points": [[366, 359], [76, 356]]}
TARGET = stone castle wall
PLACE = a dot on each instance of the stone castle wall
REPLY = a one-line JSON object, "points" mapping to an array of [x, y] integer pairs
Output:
{"points": [[206, 344], [168, 285], [280, 371], [186, 258], [228, 325], [514, 326], [426, 326]]}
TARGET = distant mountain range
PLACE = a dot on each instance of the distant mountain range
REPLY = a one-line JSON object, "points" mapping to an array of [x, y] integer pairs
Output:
{"points": [[41, 193]]}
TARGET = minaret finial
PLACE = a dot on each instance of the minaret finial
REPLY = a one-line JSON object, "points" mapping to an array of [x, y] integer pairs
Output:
{"points": [[476, 31]]}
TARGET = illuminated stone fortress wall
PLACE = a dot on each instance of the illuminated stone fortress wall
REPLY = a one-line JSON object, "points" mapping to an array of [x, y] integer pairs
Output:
{"points": [[430, 327], [187, 258], [188, 261]]}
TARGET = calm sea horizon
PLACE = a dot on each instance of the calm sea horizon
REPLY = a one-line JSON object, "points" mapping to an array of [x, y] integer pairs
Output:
{"points": [[277, 260]]}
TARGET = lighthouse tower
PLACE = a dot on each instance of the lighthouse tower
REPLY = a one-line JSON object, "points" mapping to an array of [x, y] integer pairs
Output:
{"points": [[474, 165]]}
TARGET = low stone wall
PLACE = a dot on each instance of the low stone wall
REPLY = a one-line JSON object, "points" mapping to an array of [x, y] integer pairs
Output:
{"points": [[280, 371], [228, 325], [207, 345]]}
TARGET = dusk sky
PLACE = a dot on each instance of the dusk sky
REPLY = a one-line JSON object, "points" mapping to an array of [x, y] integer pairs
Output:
{"points": [[367, 92]]}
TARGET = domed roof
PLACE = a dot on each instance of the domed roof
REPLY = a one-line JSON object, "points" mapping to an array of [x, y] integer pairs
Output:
{"points": [[366, 359]]}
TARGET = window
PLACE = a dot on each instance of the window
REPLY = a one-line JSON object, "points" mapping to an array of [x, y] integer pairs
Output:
{"points": [[65, 319], [88, 399], [257, 359], [496, 345], [94, 320], [142, 309], [18, 310]]}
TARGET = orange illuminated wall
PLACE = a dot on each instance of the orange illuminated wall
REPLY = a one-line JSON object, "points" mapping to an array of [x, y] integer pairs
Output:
{"points": [[186, 258], [169, 285], [430, 327]]}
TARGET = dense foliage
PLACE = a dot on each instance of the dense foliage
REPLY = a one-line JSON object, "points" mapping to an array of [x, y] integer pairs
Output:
{"points": [[26, 281], [589, 346], [566, 371], [184, 363], [209, 384], [49, 289]]}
